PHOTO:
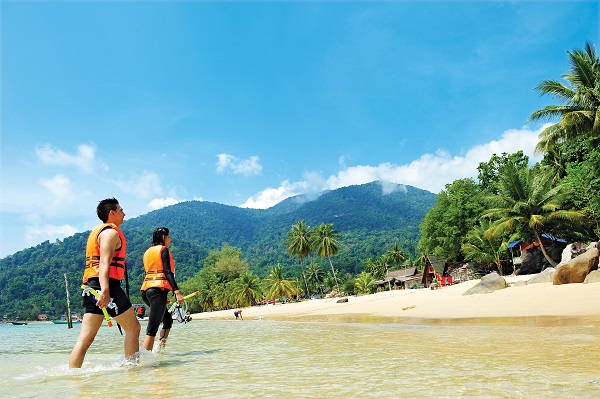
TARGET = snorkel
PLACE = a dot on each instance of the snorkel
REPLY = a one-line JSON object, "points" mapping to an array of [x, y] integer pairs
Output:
{"points": [[96, 295], [180, 313], [176, 304]]}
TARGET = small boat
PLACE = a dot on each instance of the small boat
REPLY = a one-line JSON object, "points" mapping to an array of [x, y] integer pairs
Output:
{"points": [[19, 323], [63, 319], [65, 322]]}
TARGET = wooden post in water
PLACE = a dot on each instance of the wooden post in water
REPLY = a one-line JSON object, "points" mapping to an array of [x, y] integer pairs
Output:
{"points": [[69, 320]]}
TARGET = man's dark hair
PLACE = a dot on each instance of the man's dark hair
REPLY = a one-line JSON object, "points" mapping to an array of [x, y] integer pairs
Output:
{"points": [[104, 208]]}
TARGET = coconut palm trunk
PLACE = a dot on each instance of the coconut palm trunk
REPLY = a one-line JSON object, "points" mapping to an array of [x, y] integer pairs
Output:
{"points": [[539, 240], [337, 284], [304, 276]]}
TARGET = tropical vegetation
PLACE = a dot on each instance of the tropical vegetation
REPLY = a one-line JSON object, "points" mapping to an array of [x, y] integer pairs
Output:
{"points": [[474, 220], [579, 111]]}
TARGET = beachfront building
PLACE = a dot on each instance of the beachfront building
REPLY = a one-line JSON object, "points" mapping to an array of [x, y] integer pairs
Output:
{"points": [[461, 272], [399, 279], [435, 268]]}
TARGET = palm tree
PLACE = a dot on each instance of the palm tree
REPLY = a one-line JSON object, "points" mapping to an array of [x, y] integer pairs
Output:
{"points": [[314, 275], [527, 201], [418, 262], [206, 298], [378, 267], [364, 282], [375, 267], [223, 295], [330, 282], [279, 287], [299, 245], [246, 289], [385, 261], [556, 161], [580, 113], [325, 239], [395, 254], [484, 248]]}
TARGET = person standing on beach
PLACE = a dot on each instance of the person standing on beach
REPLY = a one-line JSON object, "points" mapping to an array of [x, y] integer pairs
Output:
{"points": [[158, 282], [104, 269], [238, 314]]}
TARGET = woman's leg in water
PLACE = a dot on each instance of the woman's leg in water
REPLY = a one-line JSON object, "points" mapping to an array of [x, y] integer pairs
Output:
{"points": [[158, 305]]}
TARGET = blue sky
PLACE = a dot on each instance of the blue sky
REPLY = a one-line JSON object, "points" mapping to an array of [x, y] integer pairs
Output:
{"points": [[248, 103]]}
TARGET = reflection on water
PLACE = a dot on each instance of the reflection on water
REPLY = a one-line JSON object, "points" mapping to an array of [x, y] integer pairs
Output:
{"points": [[267, 359]]}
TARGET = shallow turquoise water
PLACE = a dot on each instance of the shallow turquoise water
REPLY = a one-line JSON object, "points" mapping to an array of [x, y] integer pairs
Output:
{"points": [[276, 359]]}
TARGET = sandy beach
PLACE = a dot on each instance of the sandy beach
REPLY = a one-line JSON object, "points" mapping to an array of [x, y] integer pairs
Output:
{"points": [[532, 304]]}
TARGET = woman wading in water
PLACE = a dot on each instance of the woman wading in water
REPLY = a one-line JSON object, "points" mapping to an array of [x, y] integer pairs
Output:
{"points": [[158, 282]]}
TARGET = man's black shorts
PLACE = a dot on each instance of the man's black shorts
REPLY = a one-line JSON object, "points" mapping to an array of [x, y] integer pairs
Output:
{"points": [[117, 295]]}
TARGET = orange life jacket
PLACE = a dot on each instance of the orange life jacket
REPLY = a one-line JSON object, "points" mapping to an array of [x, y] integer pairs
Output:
{"points": [[92, 255], [155, 273]]}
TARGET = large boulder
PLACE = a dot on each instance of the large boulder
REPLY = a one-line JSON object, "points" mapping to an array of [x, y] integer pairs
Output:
{"points": [[489, 283], [572, 251], [566, 254], [593, 277], [546, 276], [576, 270]]}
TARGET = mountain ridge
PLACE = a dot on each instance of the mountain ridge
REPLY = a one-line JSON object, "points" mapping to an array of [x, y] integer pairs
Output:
{"points": [[369, 219]]}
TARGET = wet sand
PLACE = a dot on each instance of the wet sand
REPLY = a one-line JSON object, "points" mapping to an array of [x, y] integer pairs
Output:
{"points": [[541, 304]]}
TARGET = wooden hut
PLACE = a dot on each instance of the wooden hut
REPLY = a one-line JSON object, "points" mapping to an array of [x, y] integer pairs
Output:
{"points": [[399, 279], [434, 265]]}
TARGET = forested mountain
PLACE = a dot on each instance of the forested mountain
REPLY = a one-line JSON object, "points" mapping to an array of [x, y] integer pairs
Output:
{"points": [[368, 220]]}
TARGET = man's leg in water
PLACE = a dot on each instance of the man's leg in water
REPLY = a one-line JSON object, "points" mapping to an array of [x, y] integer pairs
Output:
{"points": [[131, 325], [89, 328]]}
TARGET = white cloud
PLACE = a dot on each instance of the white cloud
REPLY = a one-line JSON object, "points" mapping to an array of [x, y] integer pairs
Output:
{"points": [[430, 172], [388, 188], [228, 162], [158, 203], [273, 196], [61, 189], [36, 233], [85, 158], [145, 185]]}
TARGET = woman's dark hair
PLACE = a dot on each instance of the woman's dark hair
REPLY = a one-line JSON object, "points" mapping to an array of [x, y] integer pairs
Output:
{"points": [[158, 237], [104, 208]]}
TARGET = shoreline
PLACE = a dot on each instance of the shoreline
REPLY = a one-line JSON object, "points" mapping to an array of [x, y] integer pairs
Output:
{"points": [[540, 304]]}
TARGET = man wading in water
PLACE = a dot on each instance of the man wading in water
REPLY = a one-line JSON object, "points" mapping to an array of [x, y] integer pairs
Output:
{"points": [[104, 270]]}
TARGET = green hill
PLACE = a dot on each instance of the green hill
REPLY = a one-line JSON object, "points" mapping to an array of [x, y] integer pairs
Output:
{"points": [[32, 280]]}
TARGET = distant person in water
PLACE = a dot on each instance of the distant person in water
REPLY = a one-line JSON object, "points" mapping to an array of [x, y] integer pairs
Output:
{"points": [[158, 282], [238, 314], [104, 270]]}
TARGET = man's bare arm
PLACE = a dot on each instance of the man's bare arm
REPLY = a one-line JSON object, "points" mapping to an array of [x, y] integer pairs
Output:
{"points": [[109, 241]]}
